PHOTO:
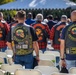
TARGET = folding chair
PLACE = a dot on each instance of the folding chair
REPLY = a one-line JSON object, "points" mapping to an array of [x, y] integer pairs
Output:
{"points": [[9, 56], [46, 70], [1, 60], [72, 70], [45, 63], [1, 73], [34, 54], [56, 53], [10, 68], [48, 57], [3, 55], [62, 74], [9, 53], [27, 72]]}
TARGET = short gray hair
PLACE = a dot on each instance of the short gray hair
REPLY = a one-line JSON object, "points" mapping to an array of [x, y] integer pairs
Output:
{"points": [[39, 17], [64, 17]]}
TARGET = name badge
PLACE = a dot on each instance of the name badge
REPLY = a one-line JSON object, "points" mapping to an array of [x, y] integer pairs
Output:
{"points": [[25, 46], [18, 46]]}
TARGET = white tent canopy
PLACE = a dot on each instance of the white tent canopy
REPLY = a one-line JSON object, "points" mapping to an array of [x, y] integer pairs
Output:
{"points": [[73, 7], [42, 4]]}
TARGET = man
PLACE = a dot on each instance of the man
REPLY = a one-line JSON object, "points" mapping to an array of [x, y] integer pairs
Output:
{"points": [[42, 31], [55, 36], [22, 41], [14, 22], [4, 28], [29, 21], [8, 18], [50, 23], [56, 32], [68, 44]]}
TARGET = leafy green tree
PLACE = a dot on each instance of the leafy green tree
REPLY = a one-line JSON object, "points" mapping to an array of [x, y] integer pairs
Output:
{"points": [[73, 1], [5, 1]]}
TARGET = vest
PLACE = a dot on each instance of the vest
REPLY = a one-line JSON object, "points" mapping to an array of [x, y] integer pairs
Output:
{"points": [[22, 39], [58, 30], [41, 32], [70, 39], [2, 31]]}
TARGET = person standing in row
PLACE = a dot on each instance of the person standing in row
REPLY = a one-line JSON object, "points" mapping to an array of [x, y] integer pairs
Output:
{"points": [[4, 28], [56, 33], [43, 32], [22, 40], [51, 21], [55, 36], [68, 44], [30, 19]]}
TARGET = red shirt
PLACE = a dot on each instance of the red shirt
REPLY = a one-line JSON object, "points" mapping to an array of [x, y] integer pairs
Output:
{"points": [[3, 42], [43, 44], [55, 46]]}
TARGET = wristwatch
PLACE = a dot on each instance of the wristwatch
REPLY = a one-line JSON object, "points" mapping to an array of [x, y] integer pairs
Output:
{"points": [[37, 55], [62, 59]]}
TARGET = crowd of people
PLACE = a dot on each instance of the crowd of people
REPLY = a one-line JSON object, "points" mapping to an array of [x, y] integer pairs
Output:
{"points": [[25, 35]]}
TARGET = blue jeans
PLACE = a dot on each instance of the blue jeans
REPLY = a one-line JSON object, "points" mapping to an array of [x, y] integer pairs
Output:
{"points": [[70, 63], [24, 60], [3, 49]]}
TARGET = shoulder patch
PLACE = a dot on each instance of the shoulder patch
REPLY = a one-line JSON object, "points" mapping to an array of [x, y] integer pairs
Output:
{"points": [[72, 32]]}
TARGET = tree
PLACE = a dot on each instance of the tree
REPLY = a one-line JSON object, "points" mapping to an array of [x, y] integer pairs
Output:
{"points": [[5, 12], [5, 1], [73, 1]]}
